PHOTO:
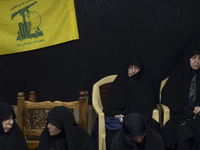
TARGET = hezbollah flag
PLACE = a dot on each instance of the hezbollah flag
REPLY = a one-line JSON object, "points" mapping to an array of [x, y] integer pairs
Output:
{"points": [[32, 24]]}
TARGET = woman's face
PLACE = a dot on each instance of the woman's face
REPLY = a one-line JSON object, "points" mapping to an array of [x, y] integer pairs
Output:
{"points": [[53, 130], [132, 70], [8, 124], [195, 62], [138, 139]]}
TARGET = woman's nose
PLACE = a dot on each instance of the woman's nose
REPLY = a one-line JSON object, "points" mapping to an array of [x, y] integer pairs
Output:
{"points": [[11, 121], [197, 60], [133, 70], [139, 139]]}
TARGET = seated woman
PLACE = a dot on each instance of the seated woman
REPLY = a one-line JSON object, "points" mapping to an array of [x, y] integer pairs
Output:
{"points": [[11, 137], [62, 132], [130, 93], [182, 95], [135, 134]]}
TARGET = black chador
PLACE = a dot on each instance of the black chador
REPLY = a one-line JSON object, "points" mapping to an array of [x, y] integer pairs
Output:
{"points": [[130, 94], [182, 95], [14, 138], [72, 135], [135, 125]]}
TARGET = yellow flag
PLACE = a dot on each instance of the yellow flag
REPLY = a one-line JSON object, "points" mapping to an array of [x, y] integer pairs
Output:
{"points": [[32, 24]]}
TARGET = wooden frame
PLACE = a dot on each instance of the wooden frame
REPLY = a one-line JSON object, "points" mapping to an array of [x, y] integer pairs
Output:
{"points": [[30, 111]]}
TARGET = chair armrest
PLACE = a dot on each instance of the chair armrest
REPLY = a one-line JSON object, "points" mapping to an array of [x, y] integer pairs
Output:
{"points": [[166, 113], [103, 147], [155, 115], [97, 109], [102, 130], [101, 123]]}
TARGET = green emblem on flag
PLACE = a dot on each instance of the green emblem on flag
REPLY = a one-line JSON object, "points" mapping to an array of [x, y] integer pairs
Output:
{"points": [[28, 28]]}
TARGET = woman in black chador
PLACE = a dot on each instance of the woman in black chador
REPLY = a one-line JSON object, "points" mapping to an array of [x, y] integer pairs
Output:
{"points": [[135, 134], [130, 93], [63, 133], [11, 137], [182, 95]]}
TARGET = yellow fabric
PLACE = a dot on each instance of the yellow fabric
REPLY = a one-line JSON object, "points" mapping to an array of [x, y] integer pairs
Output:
{"points": [[33, 24]]}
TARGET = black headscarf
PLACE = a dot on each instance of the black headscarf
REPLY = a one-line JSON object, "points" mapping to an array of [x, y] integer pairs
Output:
{"points": [[134, 125], [175, 93], [14, 138], [72, 136], [130, 94]]}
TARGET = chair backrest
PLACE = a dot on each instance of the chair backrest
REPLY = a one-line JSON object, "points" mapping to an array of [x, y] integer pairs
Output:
{"points": [[31, 115], [99, 94], [100, 90], [32, 97], [161, 87]]}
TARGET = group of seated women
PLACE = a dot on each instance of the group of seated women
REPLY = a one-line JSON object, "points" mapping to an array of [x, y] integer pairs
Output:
{"points": [[128, 106], [131, 92], [61, 131]]}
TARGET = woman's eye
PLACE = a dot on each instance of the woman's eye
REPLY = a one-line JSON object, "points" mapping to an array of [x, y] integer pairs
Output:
{"points": [[194, 57]]}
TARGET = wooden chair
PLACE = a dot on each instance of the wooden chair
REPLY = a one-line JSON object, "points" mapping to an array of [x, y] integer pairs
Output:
{"points": [[31, 115], [99, 94], [32, 97]]}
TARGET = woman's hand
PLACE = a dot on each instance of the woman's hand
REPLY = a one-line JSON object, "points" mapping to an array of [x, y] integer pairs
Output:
{"points": [[196, 110], [119, 117]]}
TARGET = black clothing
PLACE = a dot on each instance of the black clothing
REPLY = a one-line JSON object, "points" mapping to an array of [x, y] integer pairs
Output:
{"points": [[72, 136], [181, 94], [130, 95], [14, 138], [135, 125]]}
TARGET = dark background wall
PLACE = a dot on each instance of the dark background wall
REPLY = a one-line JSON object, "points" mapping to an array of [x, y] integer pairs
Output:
{"points": [[110, 30]]}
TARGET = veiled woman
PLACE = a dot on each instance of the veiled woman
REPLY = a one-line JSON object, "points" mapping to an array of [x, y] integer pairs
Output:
{"points": [[182, 95], [11, 137], [131, 92], [136, 134], [63, 133]]}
